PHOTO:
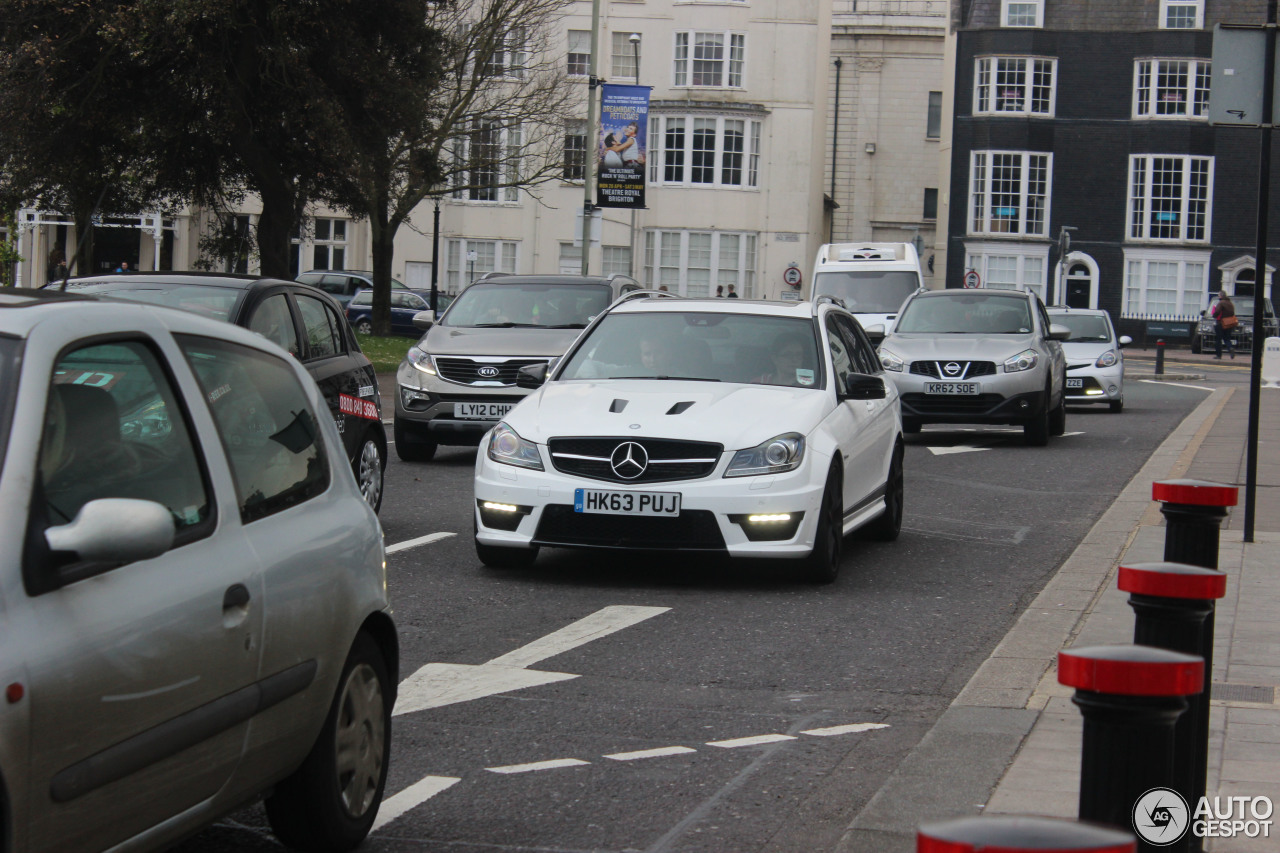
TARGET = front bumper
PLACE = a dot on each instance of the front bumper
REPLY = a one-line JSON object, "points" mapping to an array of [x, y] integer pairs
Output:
{"points": [[1097, 384], [713, 511], [1006, 398], [427, 409]]}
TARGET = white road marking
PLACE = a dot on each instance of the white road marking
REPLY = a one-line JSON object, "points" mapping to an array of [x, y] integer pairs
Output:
{"points": [[1065, 434], [538, 765], [415, 795], [845, 730], [660, 752], [1177, 384], [749, 741], [959, 448], [421, 540], [439, 684]]}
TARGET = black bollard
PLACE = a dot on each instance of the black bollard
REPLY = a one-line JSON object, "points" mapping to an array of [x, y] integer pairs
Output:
{"points": [[1160, 357], [1173, 605], [1130, 697], [1020, 835], [1193, 514]]}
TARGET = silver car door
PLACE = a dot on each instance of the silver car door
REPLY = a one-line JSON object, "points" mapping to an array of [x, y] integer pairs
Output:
{"points": [[137, 681]]}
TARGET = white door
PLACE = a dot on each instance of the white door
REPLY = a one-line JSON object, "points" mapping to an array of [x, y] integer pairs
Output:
{"points": [[850, 423], [417, 275]]}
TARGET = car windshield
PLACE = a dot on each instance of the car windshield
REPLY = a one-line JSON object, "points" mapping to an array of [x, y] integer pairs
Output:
{"points": [[559, 306], [1244, 306], [216, 302], [867, 291], [965, 313], [9, 348], [1085, 328], [699, 345]]}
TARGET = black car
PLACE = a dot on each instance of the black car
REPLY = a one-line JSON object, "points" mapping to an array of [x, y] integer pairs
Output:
{"points": [[308, 323], [1205, 331]]}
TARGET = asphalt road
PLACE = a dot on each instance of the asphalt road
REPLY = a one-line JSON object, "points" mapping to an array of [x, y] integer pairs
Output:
{"points": [[736, 684]]}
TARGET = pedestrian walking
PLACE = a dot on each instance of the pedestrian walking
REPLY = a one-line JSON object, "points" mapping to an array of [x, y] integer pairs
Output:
{"points": [[1225, 322]]}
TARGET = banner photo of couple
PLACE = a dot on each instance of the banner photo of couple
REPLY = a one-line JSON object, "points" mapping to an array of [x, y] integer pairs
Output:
{"points": [[622, 146]]}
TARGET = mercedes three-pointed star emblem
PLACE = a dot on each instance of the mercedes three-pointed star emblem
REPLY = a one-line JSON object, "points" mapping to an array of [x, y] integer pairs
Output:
{"points": [[629, 460]]}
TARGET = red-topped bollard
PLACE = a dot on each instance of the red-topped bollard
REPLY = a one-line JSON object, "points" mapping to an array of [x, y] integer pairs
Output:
{"points": [[1020, 835], [1173, 605], [1130, 697], [1193, 514]]}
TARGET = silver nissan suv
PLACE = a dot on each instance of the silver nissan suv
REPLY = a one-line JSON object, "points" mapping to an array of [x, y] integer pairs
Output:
{"points": [[978, 356], [460, 378]]}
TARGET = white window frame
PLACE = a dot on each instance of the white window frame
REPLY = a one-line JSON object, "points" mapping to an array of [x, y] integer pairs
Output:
{"points": [[574, 129], [732, 70], [1191, 292], [659, 271], [335, 248], [506, 168], [986, 99], [1140, 202], [1007, 7], [615, 260], [510, 58], [457, 270], [623, 55], [1166, 6], [1195, 94], [1025, 257], [574, 47], [682, 159], [979, 214]]}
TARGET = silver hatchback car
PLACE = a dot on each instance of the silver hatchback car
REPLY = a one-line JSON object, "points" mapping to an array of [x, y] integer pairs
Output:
{"points": [[193, 602], [979, 356]]}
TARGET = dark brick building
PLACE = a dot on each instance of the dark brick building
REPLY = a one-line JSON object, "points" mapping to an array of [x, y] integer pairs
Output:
{"points": [[1093, 114]]}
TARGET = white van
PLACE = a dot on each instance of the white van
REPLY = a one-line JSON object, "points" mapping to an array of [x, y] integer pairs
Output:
{"points": [[872, 279]]}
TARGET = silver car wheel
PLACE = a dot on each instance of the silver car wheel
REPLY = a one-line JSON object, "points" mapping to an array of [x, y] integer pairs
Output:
{"points": [[369, 473], [359, 737]]}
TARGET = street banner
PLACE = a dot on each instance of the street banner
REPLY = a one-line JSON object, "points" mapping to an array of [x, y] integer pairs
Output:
{"points": [[622, 145]]}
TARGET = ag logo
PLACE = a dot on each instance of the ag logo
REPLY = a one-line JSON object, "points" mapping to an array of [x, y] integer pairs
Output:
{"points": [[1160, 817], [487, 372]]}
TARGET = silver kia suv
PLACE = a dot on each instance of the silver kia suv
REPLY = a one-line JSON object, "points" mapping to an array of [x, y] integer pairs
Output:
{"points": [[979, 356], [460, 378]]}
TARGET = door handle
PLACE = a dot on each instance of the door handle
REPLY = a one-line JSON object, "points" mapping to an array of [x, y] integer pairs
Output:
{"points": [[237, 595]]}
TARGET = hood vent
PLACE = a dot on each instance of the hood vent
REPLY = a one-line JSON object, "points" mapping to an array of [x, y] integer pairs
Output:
{"points": [[617, 406], [680, 408]]}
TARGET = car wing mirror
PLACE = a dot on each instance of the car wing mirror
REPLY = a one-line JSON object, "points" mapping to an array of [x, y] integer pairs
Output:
{"points": [[531, 376], [876, 332], [113, 531], [424, 320], [862, 386], [1125, 340], [1058, 332]]}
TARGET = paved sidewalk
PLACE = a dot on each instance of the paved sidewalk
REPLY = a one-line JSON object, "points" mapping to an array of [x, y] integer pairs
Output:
{"points": [[1010, 742]]}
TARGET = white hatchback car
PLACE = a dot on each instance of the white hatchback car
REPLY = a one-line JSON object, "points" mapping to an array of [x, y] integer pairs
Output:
{"points": [[1095, 358], [756, 429], [193, 602]]}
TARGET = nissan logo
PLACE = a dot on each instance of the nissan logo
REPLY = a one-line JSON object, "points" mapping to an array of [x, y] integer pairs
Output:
{"points": [[952, 368], [629, 460], [488, 372]]}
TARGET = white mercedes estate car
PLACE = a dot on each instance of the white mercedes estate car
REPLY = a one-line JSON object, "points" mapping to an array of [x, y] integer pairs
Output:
{"points": [[753, 429]]}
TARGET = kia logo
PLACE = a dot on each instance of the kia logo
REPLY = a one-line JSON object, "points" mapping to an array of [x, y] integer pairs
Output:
{"points": [[488, 372], [629, 460], [952, 368]]}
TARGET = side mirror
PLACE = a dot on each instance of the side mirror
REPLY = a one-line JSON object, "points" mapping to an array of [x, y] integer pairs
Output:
{"points": [[114, 530], [876, 333], [1125, 340], [531, 376], [424, 319], [1059, 332], [861, 386]]}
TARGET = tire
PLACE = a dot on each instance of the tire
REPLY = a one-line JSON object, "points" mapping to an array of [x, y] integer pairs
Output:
{"points": [[497, 557], [823, 563], [910, 427], [410, 450], [1197, 345], [330, 802], [1036, 430], [1058, 416], [364, 326], [1116, 405], [887, 527], [369, 466]]}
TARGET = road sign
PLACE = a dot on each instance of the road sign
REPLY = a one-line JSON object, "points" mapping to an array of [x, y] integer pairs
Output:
{"points": [[1236, 84], [972, 279], [792, 276]]}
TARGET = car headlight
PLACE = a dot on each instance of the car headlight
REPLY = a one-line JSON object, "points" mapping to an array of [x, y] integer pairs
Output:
{"points": [[889, 361], [421, 359], [781, 453], [1107, 359], [1025, 360], [506, 446]]}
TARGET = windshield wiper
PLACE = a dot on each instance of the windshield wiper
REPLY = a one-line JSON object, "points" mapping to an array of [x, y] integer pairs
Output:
{"points": [[567, 326], [507, 325], [671, 378]]}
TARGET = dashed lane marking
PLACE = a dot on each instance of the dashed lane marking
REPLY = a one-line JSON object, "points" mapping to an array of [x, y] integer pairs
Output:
{"points": [[414, 795], [1177, 385], [749, 741], [421, 540], [831, 731], [538, 765], [660, 752]]}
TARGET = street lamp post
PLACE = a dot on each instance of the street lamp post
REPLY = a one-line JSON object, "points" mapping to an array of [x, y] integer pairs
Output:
{"points": [[435, 253], [634, 38], [588, 204]]}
